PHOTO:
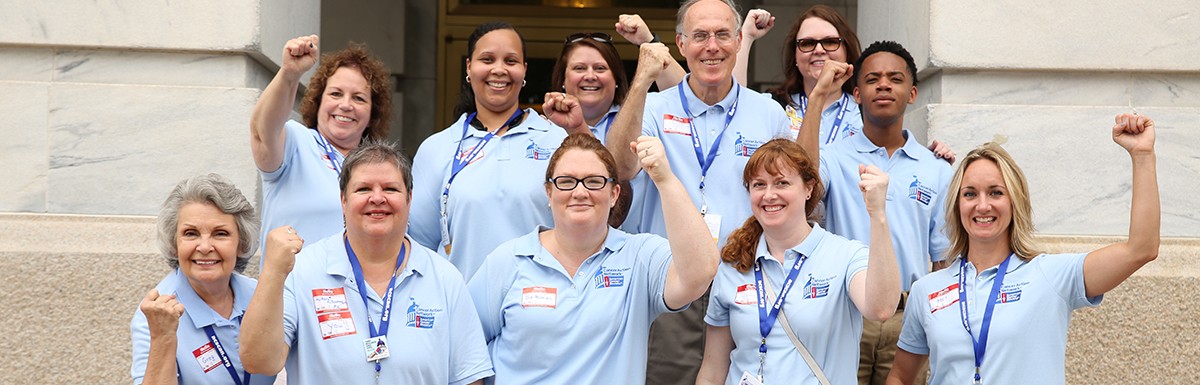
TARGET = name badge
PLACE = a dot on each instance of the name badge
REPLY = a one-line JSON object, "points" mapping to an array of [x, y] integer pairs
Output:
{"points": [[376, 348], [713, 221], [943, 298], [676, 125], [749, 379], [539, 296], [207, 357], [335, 324], [746, 295], [795, 118], [330, 300]]}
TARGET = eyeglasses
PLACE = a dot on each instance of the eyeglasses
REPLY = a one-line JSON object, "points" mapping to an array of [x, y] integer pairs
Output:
{"points": [[597, 36], [568, 183], [701, 37], [829, 44]]}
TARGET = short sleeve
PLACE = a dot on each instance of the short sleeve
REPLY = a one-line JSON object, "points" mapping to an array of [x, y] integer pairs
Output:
{"points": [[655, 255], [487, 292], [469, 359], [139, 333], [717, 313], [827, 162], [939, 243], [860, 255], [651, 116], [290, 312], [294, 131], [1065, 274], [912, 334]]}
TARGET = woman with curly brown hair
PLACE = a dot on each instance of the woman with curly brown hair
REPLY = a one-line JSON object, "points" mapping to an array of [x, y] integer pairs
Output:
{"points": [[348, 100], [825, 283]]}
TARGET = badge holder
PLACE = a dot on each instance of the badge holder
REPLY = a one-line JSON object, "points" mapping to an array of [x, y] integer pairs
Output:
{"points": [[376, 348]]}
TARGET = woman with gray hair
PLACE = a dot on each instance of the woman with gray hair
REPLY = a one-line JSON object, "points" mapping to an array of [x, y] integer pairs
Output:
{"points": [[207, 231]]}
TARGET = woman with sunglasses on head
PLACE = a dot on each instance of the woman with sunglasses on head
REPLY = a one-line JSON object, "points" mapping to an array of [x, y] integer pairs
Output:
{"points": [[590, 69], [478, 182], [574, 303], [999, 314]]}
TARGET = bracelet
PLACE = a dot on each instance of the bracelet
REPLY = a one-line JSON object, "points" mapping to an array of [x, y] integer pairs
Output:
{"points": [[655, 38]]}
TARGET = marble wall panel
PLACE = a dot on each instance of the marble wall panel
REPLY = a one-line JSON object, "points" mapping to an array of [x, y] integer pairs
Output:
{"points": [[217, 24], [1064, 34], [151, 68], [26, 64], [1067, 88], [1079, 178], [119, 149], [23, 104]]}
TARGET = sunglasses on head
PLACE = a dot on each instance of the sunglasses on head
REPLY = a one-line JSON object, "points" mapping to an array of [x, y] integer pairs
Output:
{"points": [[597, 36]]}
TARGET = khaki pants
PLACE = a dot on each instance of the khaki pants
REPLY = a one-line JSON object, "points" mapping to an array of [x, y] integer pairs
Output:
{"points": [[677, 346], [877, 350]]}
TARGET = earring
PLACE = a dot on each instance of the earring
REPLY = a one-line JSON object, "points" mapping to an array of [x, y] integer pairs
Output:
{"points": [[468, 78], [523, 83], [564, 88]]}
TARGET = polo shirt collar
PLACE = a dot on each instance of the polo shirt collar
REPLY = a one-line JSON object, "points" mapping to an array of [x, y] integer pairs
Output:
{"points": [[697, 106], [911, 148], [807, 247], [530, 246], [337, 262], [201, 314]]}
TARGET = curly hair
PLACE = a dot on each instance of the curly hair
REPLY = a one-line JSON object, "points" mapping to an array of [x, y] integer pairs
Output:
{"points": [[793, 80], [558, 78], [1020, 230], [219, 192], [373, 70], [773, 157]]}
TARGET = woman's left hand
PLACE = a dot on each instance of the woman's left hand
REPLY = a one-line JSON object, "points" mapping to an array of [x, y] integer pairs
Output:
{"points": [[942, 150], [564, 111], [1134, 133], [874, 185], [652, 156]]}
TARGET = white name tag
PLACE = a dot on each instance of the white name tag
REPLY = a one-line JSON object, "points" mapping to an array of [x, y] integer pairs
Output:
{"points": [[676, 125], [539, 296], [746, 295], [207, 357], [714, 225], [942, 298], [749, 379]]}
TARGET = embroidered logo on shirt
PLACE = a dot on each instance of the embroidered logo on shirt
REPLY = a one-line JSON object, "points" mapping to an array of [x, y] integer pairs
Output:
{"points": [[919, 192], [943, 298], [536, 152], [608, 277], [1011, 292], [817, 287], [745, 147], [746, 295], [419, 317]]}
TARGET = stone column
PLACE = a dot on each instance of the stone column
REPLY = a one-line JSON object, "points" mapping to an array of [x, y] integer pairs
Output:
{"points": [[107, 105], [1047, 78]]}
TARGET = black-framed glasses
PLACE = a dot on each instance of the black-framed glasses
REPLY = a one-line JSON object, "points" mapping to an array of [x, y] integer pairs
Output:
{"points": [[829, 44], [597, 36], [568, 183]]}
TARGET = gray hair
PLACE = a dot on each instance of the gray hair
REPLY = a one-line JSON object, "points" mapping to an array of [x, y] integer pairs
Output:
{"points": [[683, 10], [371, 152], [215, 190]]}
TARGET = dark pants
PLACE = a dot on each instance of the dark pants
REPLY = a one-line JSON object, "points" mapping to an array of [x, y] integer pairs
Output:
{"points": [[677, 346], [877, 350]]}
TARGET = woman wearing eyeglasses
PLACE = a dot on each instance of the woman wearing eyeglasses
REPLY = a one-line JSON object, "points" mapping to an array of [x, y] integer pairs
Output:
{"points": [[574, 303], [478, 182], [820, 37]]}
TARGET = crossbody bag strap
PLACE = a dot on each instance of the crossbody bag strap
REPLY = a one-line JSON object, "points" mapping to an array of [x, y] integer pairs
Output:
{"points": [[808, 357]]}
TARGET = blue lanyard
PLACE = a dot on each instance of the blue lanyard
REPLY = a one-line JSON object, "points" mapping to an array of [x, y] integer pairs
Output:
{"points": [[981, 343], [837, 120], [212, 336], [608, 120], [458, 163], [707, 161], [766, 319], [330, 152], [384, 319]]}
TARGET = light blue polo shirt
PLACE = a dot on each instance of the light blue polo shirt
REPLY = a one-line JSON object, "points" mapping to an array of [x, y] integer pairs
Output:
{"points": [[434, 336], [850, 125], [600, 130], [497, 197], [818, 308], [1027, 342], [546, 327], [194, 353], [758, 119], [917, 183], [303, 192]]}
